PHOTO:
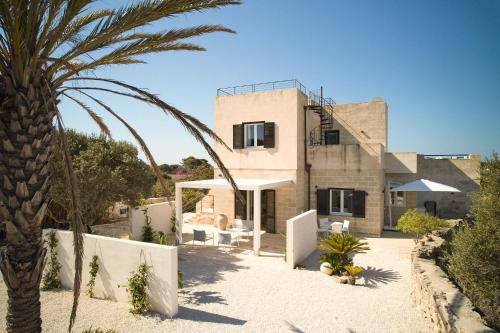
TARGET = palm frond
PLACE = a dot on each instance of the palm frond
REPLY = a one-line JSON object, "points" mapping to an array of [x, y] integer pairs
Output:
{"points": [[152, 99], [97, 119], [77, 225]]}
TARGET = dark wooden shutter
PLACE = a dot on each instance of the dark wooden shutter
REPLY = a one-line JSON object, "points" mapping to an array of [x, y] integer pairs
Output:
{"points": [[323, 202], [359, 203], [238, 136], [268, 135]]}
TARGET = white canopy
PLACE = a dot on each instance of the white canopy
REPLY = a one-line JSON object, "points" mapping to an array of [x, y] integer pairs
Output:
{"points": [[243, 184], [424, 185]]}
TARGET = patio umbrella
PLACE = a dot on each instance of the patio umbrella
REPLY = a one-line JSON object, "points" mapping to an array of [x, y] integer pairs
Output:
{"points": [[424, 185]]}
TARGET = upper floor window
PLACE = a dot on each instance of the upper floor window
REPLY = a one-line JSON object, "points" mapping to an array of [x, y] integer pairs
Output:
{"points": [[254, 135], [332, 137], [341, 201]]}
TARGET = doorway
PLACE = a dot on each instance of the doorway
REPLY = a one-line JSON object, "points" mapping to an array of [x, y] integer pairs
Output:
{"points": [[267, 209]]}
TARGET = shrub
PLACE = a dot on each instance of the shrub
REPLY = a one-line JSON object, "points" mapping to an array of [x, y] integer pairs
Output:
{"points": [[162, 238], [474, 253], [51, 277], [345, 246], [419, 224], [137, 288], [94, 268], [98, 330], [147, 230], [353, 271], [333, 259]]}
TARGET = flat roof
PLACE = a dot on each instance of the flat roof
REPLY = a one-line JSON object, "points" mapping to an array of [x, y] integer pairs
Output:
{"points": [[242, 183]]}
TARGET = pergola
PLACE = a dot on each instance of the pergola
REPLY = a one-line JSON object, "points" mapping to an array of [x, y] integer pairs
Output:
{"points": [[255, 185]]}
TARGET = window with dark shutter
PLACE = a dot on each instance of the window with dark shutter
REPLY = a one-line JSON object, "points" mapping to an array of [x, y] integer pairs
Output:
{"points": [[332, 137], [238, 136], [359, 203], [269, 135], [323, 201]]}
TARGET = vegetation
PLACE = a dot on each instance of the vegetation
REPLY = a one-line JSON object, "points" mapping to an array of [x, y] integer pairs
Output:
{"points": [[342, 248], [98, 330], [419, 224], [51, 277], [473, 260], [52, 50], [334, 260], [137, 288], [162, 238], [107, 171], [147, 229], [353, 271], [94, 268]]}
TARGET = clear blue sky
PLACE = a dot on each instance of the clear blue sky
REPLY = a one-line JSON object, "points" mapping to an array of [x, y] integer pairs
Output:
{"points": [[436, 64]]}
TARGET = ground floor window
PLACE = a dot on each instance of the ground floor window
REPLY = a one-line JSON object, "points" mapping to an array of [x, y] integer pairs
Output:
{"points": [[341, 201]]}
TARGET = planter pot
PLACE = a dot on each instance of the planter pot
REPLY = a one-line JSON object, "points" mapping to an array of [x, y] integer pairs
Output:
{"points": [[326, 268], [221, 221]]}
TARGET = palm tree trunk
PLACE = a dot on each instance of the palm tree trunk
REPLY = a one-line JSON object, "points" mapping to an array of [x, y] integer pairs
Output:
{"points": [[26, 131]]}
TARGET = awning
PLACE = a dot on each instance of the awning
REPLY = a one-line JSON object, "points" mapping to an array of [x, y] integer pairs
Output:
{"points": [[424, 185], [243, 184]]}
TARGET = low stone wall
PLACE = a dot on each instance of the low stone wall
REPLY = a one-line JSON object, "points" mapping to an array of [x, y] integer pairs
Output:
{"points": [[117, 259], [440, 301]]}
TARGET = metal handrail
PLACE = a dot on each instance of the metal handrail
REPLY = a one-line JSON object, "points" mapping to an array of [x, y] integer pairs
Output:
{"points": [[263, 86]]}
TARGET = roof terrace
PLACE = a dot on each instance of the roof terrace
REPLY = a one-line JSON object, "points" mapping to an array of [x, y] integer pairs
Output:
{"points": [[259, 87]]}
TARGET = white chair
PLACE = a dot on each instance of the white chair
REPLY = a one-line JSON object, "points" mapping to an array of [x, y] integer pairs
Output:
{"points": [[324, 226], [345, 226], [243, 226]]}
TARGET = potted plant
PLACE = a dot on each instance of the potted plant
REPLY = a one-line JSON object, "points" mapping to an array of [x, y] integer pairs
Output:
{"points": [[352, 273], [330, 263]]}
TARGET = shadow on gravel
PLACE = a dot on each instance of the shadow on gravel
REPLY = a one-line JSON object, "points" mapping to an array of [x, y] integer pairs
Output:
{"points": [[205, 265], [203, 316], [202, 297], [373, 276]]}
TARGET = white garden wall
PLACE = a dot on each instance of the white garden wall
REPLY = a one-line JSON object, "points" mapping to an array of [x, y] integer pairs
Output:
{"points": [[160, 214], [301, 237], [117, 259]]}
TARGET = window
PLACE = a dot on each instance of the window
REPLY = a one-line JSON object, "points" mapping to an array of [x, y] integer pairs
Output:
{"points": [[332, 137], [397, 198], [254, 135], [341, 202]]}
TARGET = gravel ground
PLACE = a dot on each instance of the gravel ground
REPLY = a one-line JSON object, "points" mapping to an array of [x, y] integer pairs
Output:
{"points": [[235, 291]]}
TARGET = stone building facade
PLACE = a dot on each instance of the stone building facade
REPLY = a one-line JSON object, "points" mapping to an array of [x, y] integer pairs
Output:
{"points": [[335, 155]]}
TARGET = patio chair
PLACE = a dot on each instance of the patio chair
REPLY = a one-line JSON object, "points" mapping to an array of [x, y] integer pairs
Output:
{"points": [[202, 236], [324, 226], [227, 238], [244, 225], [345, 226], [336, 228]]}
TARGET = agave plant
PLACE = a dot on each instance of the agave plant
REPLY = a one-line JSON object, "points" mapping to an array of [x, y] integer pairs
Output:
{"points": [[52, 50], [345, 246]]}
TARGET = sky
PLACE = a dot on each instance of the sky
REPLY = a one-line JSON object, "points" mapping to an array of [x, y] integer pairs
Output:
{"points": [[435, 63]]}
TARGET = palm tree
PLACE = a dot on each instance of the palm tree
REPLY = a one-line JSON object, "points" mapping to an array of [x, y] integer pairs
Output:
{"points": [[51, 49]]}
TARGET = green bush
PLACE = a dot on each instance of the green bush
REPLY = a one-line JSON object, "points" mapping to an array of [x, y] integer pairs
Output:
{"points": [[98, 330], [474, 252], [333, 259], [341, 249], [148, 234], [419, 224], [94, 268], [51, 278], [137, 288]]}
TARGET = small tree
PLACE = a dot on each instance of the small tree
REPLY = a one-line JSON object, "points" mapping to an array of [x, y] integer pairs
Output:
{"points": [[474, 258], [419, 224], [147, 230]]}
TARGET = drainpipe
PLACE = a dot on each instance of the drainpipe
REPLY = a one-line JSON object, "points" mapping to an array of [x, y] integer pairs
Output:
{"points": [[307, 166]]}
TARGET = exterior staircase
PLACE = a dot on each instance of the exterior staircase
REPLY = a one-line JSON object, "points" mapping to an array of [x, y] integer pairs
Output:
{"points": [[324, 108]]}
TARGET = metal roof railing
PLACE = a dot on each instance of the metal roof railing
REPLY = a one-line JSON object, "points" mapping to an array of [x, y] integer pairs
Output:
{"points": [[259, 87]]}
